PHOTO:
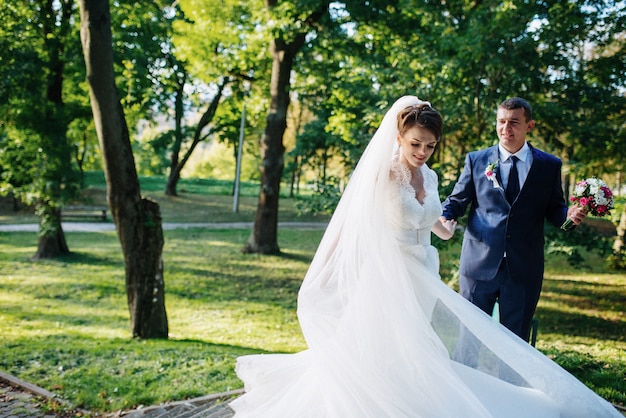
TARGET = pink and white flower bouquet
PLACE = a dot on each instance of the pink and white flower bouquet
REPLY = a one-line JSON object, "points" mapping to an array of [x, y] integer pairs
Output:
{"points": [[594, 196]]}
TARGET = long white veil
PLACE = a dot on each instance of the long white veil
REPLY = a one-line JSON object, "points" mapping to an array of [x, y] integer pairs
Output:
{"points": [[358, 231]]}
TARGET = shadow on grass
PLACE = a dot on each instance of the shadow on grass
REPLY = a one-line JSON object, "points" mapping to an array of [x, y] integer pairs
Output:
{"points": [[239, 285], [294, 257], [84, 313], [76, 257], [594, 294], [584, 308], [556, 321], [241, 350]]}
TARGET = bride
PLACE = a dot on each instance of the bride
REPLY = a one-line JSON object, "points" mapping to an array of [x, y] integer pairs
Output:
{"points": [[386, 337]]}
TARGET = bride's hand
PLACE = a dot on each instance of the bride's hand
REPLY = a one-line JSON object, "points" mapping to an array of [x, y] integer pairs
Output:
{"points": [[450, 226], [444, 228]]}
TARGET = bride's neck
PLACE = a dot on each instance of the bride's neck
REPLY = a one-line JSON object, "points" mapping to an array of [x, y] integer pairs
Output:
{"points": [[416, 172]]}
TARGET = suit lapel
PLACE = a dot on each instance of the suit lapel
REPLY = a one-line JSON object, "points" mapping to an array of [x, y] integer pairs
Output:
{"points": [[494, 157]]}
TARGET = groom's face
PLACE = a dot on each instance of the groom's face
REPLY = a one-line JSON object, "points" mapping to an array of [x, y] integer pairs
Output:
{"points": [[512, 126]]}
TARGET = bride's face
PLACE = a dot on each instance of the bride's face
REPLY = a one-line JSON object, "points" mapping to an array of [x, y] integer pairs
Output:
{"points": [[416, 146]]}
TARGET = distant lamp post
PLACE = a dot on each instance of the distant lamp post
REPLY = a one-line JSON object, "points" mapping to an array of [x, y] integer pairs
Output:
{"points": [[238, 170]]}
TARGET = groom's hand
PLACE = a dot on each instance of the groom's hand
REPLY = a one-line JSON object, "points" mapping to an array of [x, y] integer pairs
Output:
{"points": [[576, 213]]}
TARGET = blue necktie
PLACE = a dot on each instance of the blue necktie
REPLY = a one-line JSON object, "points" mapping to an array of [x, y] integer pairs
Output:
{"points": [[512, 188]]}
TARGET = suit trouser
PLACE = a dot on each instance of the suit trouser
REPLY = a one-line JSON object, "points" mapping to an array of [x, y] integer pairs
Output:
{"points": [[517, 301]]}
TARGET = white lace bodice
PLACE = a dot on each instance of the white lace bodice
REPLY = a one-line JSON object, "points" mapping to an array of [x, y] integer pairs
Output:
{"points": [[411, 220]]}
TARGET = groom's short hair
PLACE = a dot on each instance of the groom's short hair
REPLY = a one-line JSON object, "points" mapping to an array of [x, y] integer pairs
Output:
{"points": [[518, 103]]}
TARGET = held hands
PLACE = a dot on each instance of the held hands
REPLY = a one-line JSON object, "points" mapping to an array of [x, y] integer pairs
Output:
{"points": [[444, 228], [450, 225]]}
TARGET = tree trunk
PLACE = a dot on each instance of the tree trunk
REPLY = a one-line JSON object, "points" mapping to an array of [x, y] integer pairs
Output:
{"points": [[567, 183], [137, 220], [171, 184], [618, 245], [263, 238], [145, 290], [174, 176], [51, 241]]}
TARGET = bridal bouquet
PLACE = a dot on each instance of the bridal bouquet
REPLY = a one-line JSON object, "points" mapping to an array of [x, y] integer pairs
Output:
{"points": [[594, 196]]}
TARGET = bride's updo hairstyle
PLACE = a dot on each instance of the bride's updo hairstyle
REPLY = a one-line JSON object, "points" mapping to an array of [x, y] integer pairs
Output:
{"points": [[422, 116]]}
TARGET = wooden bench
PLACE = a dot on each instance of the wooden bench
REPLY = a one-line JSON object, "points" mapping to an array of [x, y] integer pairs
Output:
{"points": [[76, 212]]}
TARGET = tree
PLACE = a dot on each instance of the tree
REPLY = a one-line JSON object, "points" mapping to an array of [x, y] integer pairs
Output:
{"points": [[43, 107], [217, 47], [177, 165], [36, 112], [294, 22], [137, 220], [583, 60]]}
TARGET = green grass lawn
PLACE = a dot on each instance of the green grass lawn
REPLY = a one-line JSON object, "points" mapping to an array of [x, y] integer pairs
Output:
{"points": [[65, 323]]}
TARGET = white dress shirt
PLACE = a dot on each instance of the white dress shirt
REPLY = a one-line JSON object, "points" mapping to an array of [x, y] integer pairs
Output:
{"points": [[525, 159]]}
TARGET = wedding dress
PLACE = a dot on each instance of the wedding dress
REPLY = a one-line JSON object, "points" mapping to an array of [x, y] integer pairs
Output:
{"points": [[386, 337]]}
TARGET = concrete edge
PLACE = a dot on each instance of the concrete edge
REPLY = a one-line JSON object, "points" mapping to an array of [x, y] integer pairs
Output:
{"points": [[213, 397], [43, 393], [194, 401], [28, 387]]}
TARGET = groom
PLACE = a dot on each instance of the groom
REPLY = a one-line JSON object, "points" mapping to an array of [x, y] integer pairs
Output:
{"points": [[510, 189]]}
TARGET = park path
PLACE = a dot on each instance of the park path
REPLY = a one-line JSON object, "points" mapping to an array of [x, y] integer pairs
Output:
{"points": [[109, 226]]}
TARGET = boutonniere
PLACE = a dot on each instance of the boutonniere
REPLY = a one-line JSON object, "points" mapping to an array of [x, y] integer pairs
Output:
{"points": [[490, 173]]}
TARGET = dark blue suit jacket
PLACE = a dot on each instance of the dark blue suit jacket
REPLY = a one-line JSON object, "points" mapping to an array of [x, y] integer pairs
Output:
{"points": [[495, 227]]}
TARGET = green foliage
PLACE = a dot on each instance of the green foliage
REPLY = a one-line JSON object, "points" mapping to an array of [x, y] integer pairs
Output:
{"points": [[582, 55], [151, 152], [572, 243], [81, 133], [196, 32], [218, 161], [38, 106], [227, 36], [617, 260], [142, 41], [31, 174], [464, 57], [323, 201]]}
